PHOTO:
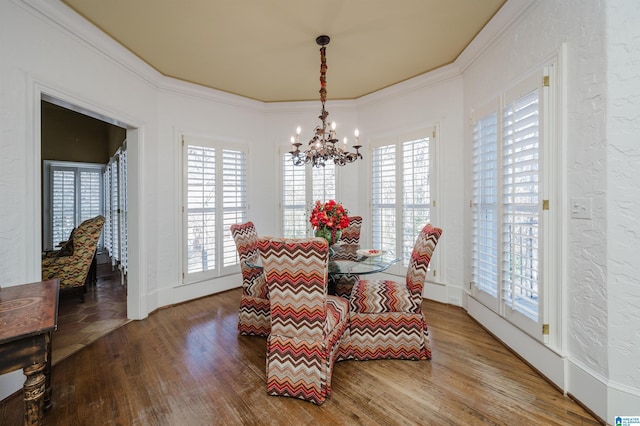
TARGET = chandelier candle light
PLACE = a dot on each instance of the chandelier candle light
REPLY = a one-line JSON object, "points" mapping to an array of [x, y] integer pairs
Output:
{"points": [[323, 146]]}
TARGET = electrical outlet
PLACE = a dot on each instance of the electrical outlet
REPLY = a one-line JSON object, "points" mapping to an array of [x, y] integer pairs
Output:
{"points": [[581, 208]]}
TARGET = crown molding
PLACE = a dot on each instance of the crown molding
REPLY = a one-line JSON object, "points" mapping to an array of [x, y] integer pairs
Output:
{"points": [[60, 16], [510, 13]]}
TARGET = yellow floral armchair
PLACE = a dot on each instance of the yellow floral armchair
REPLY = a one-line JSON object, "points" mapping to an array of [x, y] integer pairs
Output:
{"points": [[71, 266]]}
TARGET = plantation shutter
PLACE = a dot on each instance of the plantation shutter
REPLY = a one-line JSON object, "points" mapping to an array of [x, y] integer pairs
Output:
{"points": [[384, 197], [401, 194], [416, 196], [234, 199], [63, 208], [215, 197], [107, 233], [122, 167], [114, 204], [74, 194], [521, 203], [323, 183], [201, 208], [485, 199], [294, 200]]}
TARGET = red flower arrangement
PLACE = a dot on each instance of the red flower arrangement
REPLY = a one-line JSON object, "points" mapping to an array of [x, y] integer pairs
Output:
{"points": [[328, 219]]}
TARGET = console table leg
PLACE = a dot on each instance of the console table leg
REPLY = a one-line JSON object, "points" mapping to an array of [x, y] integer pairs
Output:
{"points": [[34, 393], [47, 373]]}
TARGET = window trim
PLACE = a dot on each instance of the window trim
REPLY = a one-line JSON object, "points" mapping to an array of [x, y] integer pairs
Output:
{"points": [[223, 236], [48, 167], [435, 273], [552, 178]]}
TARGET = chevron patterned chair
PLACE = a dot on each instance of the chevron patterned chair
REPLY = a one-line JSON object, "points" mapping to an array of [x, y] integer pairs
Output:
{"points": [[253, 317], [309, 329], [72, 264], [386, 319], [350, 235]]}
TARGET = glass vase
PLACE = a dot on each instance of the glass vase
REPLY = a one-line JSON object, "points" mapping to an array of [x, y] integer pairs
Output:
{"points": [[332, 236]]}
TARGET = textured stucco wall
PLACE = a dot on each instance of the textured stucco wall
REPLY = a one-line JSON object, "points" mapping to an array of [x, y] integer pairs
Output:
{"points": [[623, 191], [523, 48], [601, 313]]}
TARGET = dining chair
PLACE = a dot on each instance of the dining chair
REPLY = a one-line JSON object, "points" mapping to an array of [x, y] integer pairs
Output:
{"points": [[253, 317], [386, 319], [72, 263], [309, 329], [350, 235]]}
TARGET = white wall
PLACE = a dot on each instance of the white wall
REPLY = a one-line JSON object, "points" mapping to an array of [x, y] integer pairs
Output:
{"points": [[623, 204], [600, 337], [431, 100], [42, 54]]}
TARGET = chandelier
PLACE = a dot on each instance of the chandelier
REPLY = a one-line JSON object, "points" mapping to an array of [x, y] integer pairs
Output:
{"points": [[324, 145]]}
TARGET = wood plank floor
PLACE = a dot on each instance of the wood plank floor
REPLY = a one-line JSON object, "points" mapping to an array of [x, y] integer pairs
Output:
{"points": [[186, 365]]}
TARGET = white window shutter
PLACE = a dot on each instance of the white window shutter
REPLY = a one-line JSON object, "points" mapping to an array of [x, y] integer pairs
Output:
{"points": [[485, 199], [521, 203], [201, 208]]}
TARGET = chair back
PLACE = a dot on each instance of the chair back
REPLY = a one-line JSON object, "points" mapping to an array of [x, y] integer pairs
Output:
{"points": [[419, 262], [246, 238], [351, 234], [85, 239], [72, 270], [296, 272]]}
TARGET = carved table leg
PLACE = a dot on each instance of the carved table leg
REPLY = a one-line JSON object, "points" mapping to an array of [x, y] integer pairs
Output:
{"points": [[34, 394], [47, 373]]}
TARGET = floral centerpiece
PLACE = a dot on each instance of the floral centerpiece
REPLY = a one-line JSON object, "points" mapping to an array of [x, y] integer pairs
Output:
{"points": [[329, 219]]}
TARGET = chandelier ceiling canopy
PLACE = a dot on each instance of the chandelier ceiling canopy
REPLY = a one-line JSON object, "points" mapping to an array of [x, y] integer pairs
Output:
{"points": [[324, 146]]}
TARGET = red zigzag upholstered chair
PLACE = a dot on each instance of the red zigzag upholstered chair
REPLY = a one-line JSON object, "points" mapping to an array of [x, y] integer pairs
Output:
{"points": [[309, 329], [350, 235], [253, 317], [386, 319]]}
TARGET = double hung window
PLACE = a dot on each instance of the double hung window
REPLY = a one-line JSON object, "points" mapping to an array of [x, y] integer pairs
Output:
{"points": [[115, 209], [73, 194], [508, 205], [401, 193], [215, 197], [301, 187]]}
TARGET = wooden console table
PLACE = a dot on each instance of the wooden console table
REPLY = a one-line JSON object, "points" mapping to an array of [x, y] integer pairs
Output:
{"points": [[28, 316]]}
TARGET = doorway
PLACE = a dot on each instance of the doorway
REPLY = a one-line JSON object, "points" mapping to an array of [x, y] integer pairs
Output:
{"points": [[75, 145]]}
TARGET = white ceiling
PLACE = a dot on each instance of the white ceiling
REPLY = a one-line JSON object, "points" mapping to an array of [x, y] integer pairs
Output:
{"points": [[266, 49]]}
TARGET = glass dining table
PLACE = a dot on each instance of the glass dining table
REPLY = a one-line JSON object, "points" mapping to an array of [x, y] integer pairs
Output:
{"points": [[349, 260]]}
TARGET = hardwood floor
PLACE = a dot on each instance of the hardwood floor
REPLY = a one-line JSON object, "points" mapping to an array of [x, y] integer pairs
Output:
{"points": [[80, 324], [186, 365]]}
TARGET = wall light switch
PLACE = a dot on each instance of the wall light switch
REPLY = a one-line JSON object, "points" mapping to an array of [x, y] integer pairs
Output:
{"points": [[581, 208]]}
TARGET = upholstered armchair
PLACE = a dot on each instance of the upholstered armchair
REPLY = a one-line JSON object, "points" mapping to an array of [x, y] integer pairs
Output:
{"points": [[309, 329], [253, 317], [350, 235], [72, 263], [386, 319]]}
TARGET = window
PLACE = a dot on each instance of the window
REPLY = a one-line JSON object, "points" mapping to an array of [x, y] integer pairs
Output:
{"points": [[507, 205], [73, 193], [521, 204], [485, 204], [115, 209], [215, 198], [301, 187], [401, 193]]}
